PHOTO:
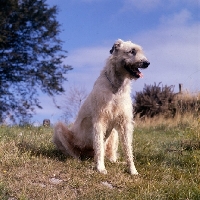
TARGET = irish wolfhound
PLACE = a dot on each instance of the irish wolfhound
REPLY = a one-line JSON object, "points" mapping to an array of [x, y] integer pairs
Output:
{"points": [[107, 111]]}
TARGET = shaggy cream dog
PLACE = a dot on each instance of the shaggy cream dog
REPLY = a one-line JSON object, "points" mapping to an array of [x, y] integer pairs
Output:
{"points": [[107, 111]]}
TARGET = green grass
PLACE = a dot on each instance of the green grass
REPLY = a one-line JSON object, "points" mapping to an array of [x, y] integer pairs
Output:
{"points": [[167, 156]]}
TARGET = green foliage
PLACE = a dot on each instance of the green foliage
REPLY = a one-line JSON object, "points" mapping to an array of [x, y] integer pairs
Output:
{"points": [[31, 56]]}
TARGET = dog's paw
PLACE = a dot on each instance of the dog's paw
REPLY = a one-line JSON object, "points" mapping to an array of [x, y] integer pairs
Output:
{"points": [[102, 171], [113, 160], [134, 172]]}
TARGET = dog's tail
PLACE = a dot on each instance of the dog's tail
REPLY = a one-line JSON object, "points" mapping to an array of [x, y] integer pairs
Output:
{"points": [[63, 138]]}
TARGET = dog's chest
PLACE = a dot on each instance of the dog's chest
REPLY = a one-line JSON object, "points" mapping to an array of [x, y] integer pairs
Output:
{"points": [[119, 107]]}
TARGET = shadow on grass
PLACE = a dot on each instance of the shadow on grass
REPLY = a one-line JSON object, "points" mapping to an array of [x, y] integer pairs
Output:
{"points": [[4, 192], [41, 151], [49, 152]]}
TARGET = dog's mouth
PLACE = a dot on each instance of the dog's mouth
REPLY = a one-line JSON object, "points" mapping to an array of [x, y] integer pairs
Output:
{"points": [[134, 71]]}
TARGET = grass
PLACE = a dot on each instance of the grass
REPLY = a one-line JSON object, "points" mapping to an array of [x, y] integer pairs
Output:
{"points": [[167, 156]]}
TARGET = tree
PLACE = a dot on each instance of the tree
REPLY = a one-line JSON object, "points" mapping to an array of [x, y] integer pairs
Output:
{"points": [[31, 56], [74, 99]]}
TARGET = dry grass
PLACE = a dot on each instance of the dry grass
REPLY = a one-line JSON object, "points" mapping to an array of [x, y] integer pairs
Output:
{"points": [[166, 152], [187, 103], [180, 120]]}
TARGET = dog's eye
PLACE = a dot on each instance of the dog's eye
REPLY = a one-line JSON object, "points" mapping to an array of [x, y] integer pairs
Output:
{"points": [[133, 51]]}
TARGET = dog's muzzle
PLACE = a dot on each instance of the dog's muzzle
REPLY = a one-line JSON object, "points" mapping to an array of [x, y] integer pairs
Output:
{"points": [[134, 71], [145, 64]]}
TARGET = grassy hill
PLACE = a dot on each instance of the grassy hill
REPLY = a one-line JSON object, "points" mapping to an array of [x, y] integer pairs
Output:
{"points": [[167, 156]]}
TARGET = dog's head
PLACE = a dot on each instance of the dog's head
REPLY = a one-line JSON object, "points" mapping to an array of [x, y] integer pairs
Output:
{"points": [[130, 56]]}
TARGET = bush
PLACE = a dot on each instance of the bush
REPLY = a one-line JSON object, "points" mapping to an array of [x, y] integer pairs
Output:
{"points": [[154, 100], [157, 100]]}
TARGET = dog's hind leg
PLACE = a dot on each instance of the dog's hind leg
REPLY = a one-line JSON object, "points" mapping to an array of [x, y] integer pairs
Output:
{"points": [[63, 139]]}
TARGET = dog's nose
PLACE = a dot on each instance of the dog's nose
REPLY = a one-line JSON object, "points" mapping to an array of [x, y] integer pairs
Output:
{"points": [[145, 64]]}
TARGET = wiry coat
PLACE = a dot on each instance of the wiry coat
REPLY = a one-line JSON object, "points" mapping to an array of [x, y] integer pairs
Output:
{"points": [[107, 111]]}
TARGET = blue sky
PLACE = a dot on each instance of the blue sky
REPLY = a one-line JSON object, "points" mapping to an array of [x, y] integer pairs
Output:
{"points": [[168, 31]]}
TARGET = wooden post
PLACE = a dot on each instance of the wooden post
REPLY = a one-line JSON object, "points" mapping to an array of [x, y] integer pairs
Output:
{"points": [[180, 88]]}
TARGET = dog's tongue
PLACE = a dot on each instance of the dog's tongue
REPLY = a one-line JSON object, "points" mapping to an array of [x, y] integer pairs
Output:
{"points": [[141, 75]]}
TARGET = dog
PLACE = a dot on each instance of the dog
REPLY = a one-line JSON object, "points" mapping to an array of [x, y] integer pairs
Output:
{"points": [[107, 112]]}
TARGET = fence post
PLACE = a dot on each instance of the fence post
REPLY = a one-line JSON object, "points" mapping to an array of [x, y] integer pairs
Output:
{"points": [[180, 88]]}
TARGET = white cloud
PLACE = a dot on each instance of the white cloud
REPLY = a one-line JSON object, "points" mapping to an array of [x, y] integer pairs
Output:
{"points": [[180, 18], [89, 56], [87, 1], [181, 2], [151, 5], [143, 5]]}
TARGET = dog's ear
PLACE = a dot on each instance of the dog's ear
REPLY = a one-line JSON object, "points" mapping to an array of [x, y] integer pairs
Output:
{"points": [[116, 46]]}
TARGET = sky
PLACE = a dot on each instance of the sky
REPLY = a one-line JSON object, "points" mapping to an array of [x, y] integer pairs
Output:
{"points": [[168, 31]]}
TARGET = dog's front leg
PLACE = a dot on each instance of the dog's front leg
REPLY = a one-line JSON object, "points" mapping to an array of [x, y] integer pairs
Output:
{"points": [[126, 136], [98, 145]]}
